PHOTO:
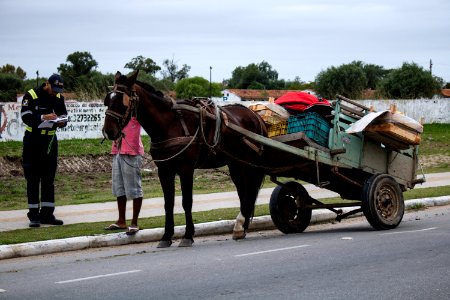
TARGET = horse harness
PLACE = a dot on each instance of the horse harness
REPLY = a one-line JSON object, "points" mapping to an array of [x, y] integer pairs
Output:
{"points": [[133, 100], [205, 109]]}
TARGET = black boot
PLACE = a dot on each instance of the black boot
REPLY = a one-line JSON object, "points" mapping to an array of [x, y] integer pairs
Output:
{"points": [[47, 216], [33, 216], [51, 220]]}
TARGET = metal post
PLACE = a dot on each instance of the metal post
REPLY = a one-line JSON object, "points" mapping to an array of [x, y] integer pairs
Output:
{"points": [[210, 87]]}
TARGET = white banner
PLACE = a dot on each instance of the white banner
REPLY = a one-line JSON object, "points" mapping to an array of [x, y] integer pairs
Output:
{"points": [[85, 121]]}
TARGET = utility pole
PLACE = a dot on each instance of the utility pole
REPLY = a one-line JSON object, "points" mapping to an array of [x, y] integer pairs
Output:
{"points": [[37, 78], [210, 87], [431, 67]]}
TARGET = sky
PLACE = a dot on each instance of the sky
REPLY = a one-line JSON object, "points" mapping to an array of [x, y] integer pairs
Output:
{"points": [[298, 38]]}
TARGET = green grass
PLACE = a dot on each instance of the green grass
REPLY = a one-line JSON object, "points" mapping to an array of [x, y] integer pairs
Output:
{"points": [[85, 188], [89, 229], [435, 140], [93, 188]]}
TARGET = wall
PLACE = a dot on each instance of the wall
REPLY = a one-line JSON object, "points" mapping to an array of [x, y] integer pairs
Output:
{"points": [[85, 121], [86, 118], [432, 110]]}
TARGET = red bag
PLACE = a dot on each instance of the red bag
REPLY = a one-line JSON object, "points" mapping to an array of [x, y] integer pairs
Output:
{"points": [[304, 102]]}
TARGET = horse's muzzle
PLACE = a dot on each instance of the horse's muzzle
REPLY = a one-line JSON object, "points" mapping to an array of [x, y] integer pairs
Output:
{"points": [[109, 134]]}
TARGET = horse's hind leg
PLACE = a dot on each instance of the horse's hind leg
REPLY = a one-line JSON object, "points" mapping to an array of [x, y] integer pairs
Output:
{"points": [[167, 180], [186, 181], [248, 181]]}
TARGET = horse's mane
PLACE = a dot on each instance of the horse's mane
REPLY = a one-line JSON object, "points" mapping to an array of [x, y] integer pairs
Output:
{"points": [[149, 88], [152, 90]]}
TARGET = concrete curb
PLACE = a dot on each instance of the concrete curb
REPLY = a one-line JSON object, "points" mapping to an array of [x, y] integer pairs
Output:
{"points": [[152, 235]]}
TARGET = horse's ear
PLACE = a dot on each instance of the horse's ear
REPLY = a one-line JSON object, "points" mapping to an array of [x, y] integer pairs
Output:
{"points": [[117, 76], [132, 79]]}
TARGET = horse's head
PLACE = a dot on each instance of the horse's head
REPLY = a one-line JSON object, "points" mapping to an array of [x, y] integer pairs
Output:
{"points": [[120, 102]]}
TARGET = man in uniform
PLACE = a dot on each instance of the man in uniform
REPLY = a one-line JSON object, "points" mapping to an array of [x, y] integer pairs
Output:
{"points": [[42, 109]]}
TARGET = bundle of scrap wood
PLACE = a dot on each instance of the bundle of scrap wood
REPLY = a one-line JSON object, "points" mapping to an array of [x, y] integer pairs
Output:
{"points": [[390, 127]]}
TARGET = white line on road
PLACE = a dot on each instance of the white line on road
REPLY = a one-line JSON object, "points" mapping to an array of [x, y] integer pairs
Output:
{"points": [[98, 276], [273, 250], [409, 231]]}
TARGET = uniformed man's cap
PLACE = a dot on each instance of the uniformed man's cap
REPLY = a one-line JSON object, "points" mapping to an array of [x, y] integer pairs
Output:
{"points": [[56, 82]]}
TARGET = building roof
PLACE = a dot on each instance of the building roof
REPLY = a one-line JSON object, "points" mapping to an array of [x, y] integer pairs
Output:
{"points": [[258, 95], [445, 92]]}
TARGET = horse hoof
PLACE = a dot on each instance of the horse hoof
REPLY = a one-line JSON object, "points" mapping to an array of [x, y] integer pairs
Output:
{"points": [[164, 244], [239, 235], [186, 243]]}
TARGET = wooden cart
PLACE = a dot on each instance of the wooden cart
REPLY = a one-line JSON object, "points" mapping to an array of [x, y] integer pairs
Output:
{"points": [[370, 169]]}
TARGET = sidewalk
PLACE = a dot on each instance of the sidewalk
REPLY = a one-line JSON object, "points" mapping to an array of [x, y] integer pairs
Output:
{"points": [[154, 207], [107, 211]]}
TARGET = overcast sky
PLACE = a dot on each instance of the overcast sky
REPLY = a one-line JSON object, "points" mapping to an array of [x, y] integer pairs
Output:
{"points": [[296, 37]]}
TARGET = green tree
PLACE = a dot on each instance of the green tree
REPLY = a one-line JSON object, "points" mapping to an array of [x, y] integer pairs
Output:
{"points": [[374, 73], [172, 72], [410, 82], [79, 64], [196, 87], [348, 80], [297, 84], [10, 85], [256, 76], [10, 69], [92, 86], [146, 65]]}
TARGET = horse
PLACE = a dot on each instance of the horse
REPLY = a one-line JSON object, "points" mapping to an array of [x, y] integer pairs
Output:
{"points": [[187, 135]]}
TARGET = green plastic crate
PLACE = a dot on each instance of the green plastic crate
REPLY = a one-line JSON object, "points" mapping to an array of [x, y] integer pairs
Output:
{"points": [[312, 124]]}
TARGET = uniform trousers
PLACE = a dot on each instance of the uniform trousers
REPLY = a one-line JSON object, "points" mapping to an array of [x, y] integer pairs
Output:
{"points": [[40, 160]]}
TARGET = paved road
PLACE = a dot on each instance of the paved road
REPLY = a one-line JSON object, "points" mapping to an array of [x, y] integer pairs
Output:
{"points": [[97, 212], [348, 260], [150, 235]]}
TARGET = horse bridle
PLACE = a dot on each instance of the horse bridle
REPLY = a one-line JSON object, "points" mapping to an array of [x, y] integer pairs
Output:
{"points": [[132, 105]]}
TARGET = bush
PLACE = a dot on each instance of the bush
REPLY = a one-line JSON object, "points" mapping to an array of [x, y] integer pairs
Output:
{"points": [[409, 82], [10, 85], [348, 80]]}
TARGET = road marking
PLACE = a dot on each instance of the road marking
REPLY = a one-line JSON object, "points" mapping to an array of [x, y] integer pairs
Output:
{"points": [[2, 290], [98, 276], [273, 250], [409, 231]]}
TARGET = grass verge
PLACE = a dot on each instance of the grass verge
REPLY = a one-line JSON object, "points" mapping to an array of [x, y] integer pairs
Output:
{"points": [[87, 229]]}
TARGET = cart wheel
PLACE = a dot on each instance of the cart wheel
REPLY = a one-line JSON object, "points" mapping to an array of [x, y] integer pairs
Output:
{"points": [[382, 202], [286, 209]]}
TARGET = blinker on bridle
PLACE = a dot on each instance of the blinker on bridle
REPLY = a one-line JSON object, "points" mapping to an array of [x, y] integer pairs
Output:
{"points": [[132, 104]]}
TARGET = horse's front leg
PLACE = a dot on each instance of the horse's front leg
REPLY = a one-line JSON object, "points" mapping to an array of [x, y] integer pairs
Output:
{"points": [[186, 181], [167, 180]]}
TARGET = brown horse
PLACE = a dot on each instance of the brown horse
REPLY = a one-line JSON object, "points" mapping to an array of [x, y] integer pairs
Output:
{"points": [[188, 135]]}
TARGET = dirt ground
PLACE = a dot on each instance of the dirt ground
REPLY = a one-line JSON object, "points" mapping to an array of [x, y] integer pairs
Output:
{"points": [[98, 164]]}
